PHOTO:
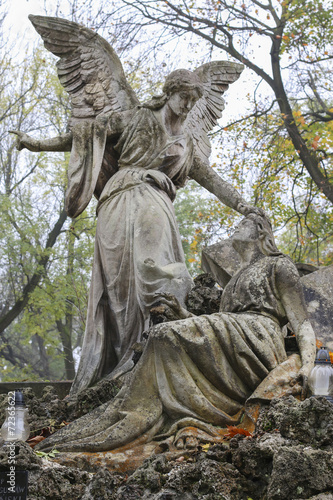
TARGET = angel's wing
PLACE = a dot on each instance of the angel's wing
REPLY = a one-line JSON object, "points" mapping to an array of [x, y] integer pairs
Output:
{"points": [[89, 69], [216, 77]]}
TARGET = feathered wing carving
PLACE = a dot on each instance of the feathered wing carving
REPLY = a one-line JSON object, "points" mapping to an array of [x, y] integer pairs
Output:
{"points": [[91, 72], [216, 77], [88, 68]]}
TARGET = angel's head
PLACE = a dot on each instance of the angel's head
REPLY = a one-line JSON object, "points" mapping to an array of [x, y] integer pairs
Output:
{"points": [[183, 80], [181, 90]]}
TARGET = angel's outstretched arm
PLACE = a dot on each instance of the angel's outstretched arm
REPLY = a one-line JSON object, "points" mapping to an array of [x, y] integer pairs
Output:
{"points": [[62, 142], [224, 191]]}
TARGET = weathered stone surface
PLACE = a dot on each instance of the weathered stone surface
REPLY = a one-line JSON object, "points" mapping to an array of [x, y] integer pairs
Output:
{"points": [[49, 410], [294, 455], [321, 496], [300, 472], [197, 476], [103, 485], [189, 365], [41, 410], [221, 261], [25, 458], [309, 422], [62, 388], [90, 398], [280, 462], [54, 482], [122, 460], [318, 292], [204, 297]]}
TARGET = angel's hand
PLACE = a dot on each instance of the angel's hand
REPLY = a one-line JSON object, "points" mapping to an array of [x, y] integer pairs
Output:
{"points": [[245, 209], [25, 141], [172, 302]]}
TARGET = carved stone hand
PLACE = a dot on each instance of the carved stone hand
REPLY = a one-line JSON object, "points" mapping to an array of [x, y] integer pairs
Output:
{"points": [[25, 141]]}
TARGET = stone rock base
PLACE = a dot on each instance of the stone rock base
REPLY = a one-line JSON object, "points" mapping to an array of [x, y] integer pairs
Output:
{"points": [[289, 457]]}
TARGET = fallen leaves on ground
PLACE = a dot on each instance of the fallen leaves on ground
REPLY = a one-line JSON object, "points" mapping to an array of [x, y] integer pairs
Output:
{"points": [[35, 440], [44, 433], [233, 431]]}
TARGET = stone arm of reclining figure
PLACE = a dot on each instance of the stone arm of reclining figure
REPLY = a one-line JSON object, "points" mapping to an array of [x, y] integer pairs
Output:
{"points": [[291, 293], [225, 192], [63, 142]]}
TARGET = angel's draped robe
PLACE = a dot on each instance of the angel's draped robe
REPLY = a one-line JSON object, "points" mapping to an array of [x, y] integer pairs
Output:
{"points": [[138, 251]]}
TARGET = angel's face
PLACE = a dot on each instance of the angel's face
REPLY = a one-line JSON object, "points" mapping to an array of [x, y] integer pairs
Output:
{"points": [[182, 102]]}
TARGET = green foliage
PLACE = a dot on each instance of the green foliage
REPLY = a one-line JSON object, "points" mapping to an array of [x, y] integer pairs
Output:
{"points": [[261, 156], [31, 199], [308, 28], [47, 455]]}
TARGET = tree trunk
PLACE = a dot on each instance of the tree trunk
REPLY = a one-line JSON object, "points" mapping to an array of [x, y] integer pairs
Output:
{"points": [[20, 304]]}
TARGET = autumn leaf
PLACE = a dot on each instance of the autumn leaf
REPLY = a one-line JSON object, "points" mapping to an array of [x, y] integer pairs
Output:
{"points": [[233, 431], [35, 440], [315, 142]]}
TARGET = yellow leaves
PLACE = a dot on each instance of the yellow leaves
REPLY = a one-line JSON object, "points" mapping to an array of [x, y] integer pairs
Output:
{"points": [[299, 118], [315, 142], [205, 447], [191, 260]]}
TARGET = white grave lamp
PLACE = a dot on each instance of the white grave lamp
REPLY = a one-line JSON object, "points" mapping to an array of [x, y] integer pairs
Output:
{"points": [[16, 426], [321, 376]]}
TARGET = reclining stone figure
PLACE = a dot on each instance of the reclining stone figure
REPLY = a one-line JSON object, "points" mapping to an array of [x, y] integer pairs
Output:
{"points": [[204, 371]]}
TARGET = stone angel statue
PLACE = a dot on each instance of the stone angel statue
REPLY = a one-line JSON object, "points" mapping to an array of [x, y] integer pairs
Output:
{"points": [[133, 157]]}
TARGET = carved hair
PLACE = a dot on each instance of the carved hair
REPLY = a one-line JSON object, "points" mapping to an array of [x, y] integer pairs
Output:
{"points": [[183, 79], [265, 234], [176, 81]]}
